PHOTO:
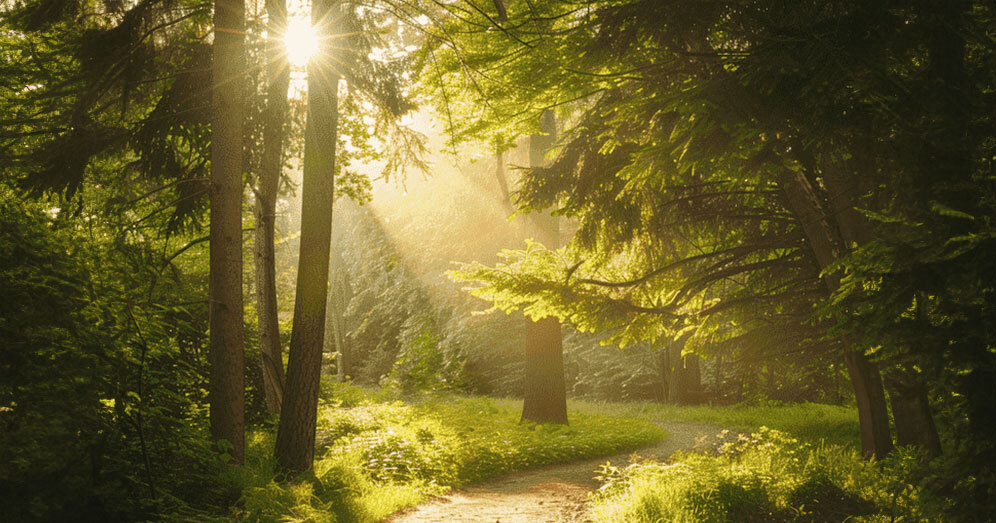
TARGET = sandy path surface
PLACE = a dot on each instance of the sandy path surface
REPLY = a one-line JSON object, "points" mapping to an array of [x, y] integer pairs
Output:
{"points": [[555, 493]]}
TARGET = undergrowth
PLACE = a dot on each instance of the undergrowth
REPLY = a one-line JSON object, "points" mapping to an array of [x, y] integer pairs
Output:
{"points": [[768, 476], [376, 455]]}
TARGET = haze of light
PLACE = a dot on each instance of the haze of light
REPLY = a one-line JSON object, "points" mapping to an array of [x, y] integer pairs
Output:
{"points": [[301, 41]]}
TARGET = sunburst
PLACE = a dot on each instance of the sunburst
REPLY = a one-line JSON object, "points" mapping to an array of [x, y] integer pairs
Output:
{"points": [[301, 41]]}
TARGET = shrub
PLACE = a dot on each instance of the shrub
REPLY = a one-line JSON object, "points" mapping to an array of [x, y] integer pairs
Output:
{"points": [[767, 476]]}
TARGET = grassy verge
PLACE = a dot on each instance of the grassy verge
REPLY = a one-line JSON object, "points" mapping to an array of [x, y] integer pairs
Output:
{"points": [[768, 476], [378, 455], [800, 463], [810, 422]]}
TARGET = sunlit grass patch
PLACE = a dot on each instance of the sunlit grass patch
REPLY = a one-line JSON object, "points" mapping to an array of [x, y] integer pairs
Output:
{"points": [[768, 476], [377, 454], [811, 422]]}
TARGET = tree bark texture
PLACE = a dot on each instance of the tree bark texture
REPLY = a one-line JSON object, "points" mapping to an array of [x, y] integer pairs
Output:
{"points": [[545, 394], [278, 76], [295, 447], [869, 394], [227, 387]]}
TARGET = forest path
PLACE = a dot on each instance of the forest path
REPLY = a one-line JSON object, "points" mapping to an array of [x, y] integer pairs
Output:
{"points": [[555, 493]]}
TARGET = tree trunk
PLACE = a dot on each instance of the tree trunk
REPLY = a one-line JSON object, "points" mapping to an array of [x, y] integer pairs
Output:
{"points": [[719, 378], [664, 372], [335, 336], [506, 197], [278, 76], [682, 375], [911, 412], [910, 405], [545, 398], [873, 415], [807, 208], [227, 387], [295, 448], [691, 380]]}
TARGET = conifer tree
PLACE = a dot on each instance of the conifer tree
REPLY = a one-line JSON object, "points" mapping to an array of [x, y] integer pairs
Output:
{"points": [[278, 80], [227, 384], [295, 448]]}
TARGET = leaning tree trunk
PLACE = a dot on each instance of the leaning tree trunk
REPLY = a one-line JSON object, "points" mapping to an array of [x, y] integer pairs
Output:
{"points": [[295, 448], [947, 157], [545, 391], [803, 202], [227, 387], [910, 405], [278, 76], [869, 394]]}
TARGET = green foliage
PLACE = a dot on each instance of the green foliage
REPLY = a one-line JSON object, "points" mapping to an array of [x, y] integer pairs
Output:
{"points": [[378, 455], [688, 127], [767, 476], [99, 407]]}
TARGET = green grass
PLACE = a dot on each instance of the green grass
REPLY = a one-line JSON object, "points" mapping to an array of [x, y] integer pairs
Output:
{"points": [[810, 422], [768, 476], [377, 455]]}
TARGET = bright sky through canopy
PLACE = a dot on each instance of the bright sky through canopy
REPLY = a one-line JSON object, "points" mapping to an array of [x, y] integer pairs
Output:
{"points": [[301, 41]]}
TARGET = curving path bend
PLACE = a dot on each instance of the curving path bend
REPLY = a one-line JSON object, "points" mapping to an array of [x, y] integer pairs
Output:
{"points": [[554, 494]]}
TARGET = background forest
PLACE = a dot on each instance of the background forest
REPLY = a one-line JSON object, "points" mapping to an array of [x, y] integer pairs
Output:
{"points": [[261, 267]]}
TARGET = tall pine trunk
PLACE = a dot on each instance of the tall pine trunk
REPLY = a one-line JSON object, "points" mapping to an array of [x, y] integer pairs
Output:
{"points": [[278, 76], [545, 391], [295, 448], [227, 386]]}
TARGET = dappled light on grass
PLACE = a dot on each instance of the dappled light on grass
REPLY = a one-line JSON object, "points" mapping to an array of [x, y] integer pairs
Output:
{"points": [[376, 455], [766, 476]]}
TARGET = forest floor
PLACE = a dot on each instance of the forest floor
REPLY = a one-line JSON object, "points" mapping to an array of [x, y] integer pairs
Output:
{"points": [[554, 493]]}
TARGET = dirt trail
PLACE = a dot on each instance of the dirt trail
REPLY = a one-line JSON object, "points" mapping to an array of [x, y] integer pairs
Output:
{"points": [[555, 493]]}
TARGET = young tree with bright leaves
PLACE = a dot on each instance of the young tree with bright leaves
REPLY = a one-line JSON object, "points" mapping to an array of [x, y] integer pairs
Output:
{"points": [[227, 383], [544, 394]]}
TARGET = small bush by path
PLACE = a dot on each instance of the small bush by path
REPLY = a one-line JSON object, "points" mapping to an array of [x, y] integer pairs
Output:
{"points": [[377, 455]]}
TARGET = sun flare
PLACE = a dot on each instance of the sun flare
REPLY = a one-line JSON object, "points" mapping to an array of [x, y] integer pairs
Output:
{"points": [[301, 41]]}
